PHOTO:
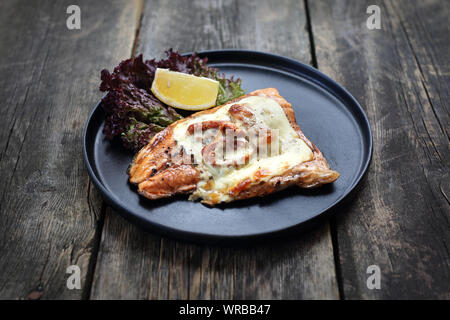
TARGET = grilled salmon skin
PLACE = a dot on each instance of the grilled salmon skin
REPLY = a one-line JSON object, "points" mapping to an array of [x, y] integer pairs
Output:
{"points": [[251, 146]]}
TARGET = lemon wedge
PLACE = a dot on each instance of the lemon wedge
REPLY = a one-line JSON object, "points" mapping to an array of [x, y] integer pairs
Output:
{"points": [[184, 91]]}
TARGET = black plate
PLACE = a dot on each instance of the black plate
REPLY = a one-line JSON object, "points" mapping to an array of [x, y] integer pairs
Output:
{"points": [[327, 114]]}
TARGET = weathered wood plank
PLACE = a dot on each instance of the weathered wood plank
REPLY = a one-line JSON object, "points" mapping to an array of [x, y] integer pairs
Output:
{"points": [[278, 27], [49, 209], [401, 75], [134, 264]]}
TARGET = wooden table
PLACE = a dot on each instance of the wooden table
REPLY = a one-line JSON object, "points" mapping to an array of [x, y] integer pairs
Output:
{"points": [[52, 216]]}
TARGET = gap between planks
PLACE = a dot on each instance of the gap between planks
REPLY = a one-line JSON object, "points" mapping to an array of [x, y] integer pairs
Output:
{"points": [[86, 295], [332, 219]]}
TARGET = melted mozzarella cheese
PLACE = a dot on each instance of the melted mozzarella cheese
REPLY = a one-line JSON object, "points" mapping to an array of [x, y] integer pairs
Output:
{"points": [[216, 183]]}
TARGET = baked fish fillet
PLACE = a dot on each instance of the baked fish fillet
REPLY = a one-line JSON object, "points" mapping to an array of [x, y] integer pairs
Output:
{"points": [[189, 155]]}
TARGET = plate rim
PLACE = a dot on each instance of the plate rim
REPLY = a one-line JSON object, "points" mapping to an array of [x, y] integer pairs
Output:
{"points": [[313, 75]]}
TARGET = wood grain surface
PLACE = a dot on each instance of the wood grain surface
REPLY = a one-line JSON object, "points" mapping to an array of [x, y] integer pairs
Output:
{"points": [[51, 216], [50, 76], [134, 264], [400, 219]]}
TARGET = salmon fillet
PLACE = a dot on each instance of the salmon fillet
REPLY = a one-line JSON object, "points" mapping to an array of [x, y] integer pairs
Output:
{"points": [[164, 168]]}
